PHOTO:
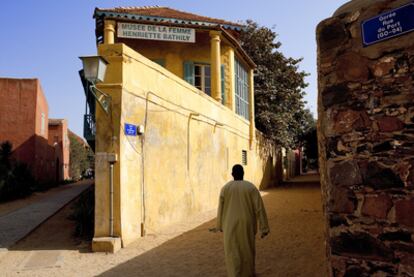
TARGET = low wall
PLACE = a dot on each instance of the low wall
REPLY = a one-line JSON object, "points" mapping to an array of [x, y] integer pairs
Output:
{"points": [[178, 167]]}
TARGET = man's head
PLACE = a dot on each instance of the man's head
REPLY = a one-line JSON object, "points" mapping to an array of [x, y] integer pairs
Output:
{"points": [[237, 172]]}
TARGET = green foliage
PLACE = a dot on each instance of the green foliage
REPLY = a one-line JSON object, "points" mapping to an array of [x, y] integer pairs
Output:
{"points": [[45, 185], [310, 145], [5, 155], [16, 180], [81, 157], [279, 88], [83, 214]]}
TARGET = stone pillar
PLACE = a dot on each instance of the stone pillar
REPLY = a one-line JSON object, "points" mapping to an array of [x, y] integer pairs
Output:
{"points": [[108, 141], [215, 65], [252, 128], [109, 32], [366, 149]]}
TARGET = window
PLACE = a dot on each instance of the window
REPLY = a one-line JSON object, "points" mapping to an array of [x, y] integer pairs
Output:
{"points": [[242, 90], [159, 62], [202, 77], [199, 75]]}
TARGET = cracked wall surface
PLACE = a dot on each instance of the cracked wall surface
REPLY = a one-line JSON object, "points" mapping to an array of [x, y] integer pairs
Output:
{"points": [[366, 139]]}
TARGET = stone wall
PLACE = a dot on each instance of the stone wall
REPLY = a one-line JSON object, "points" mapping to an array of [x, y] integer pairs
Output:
{"points": [[366, 139]]}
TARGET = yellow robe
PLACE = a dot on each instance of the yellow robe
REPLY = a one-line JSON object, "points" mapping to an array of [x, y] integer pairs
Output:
{"points": [[240, 207]]}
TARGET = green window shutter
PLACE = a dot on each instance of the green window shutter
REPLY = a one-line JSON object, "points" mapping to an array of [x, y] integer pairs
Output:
{"points": [[189, 72], [223, 85], [160, 62]]}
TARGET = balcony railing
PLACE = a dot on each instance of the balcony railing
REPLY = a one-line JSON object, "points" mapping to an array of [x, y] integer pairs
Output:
{"points": [[89, 127]]}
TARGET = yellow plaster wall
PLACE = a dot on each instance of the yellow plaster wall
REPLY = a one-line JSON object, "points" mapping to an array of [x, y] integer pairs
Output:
{"points": [[173, 53], [227, 58], [190, 144]]}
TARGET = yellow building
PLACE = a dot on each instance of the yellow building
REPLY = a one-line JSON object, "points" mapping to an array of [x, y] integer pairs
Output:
{"points": [[181, 115]]}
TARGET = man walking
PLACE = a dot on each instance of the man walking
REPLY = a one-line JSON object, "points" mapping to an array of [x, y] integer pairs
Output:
{"points": [[240, 207]]}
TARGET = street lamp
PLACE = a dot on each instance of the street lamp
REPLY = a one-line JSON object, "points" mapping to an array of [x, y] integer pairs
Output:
{"points": [[94, 68]]}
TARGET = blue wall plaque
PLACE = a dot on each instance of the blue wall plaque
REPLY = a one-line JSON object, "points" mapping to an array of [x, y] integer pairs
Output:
{"points": [[388, 25], [130, 129]]}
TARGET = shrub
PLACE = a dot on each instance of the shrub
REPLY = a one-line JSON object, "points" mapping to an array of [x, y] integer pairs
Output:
{"points": [[83, 214], [44, 185], [20, 181], [81, 158], [16, 180], [5, 157]]}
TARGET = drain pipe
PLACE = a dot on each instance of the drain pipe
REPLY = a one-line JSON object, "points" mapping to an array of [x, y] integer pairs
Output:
{"points": [[188, 138], [111, 195], [112, 159], [142, 184]]}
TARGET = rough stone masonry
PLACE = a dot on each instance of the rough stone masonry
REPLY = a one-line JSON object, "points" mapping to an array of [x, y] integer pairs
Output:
{"points": [[366, 144]]}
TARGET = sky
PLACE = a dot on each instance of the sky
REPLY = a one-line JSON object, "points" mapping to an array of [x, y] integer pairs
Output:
{"points": [[44, 38]]}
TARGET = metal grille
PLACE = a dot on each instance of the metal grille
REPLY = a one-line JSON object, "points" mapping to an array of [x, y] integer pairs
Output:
{"points": [[244, 157], [89, 127]]}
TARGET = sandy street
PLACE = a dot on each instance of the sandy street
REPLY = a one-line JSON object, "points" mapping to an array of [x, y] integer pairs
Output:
{"points": [[295, 246], [7, 207]]}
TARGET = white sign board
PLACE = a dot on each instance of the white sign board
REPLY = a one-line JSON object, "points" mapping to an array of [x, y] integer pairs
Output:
{"points": [[155, 32]]}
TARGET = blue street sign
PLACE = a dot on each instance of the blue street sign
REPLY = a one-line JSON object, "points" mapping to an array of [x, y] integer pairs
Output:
{"points": [[388, 25], [130, 129]]}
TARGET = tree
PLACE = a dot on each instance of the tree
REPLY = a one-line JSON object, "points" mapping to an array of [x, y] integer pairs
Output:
{"points": [[80, 156], [16, 179], [310, 144], [5, 155], [279, 88]]}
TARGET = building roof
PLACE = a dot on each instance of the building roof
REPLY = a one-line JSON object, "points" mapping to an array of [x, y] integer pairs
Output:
{"points": [[157, 14], [19, 79], [165, 14]]}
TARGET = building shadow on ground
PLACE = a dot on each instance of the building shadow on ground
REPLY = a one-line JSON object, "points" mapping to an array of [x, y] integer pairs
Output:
{"points": [[57, 233], [294, 247], [199, 252], [194, 253]]}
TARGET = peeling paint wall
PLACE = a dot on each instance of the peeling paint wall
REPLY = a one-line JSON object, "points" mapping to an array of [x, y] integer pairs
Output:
{"points": [[185, 157]]}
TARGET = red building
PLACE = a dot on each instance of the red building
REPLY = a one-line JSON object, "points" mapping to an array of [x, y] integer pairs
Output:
{"points": [[59, 139], [24, 121]]}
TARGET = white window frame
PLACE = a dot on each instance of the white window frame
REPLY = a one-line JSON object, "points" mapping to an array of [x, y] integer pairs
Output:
{"points": [[241, 79], [202, 76]]}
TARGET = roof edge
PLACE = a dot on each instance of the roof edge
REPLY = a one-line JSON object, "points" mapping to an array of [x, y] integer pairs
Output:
{"points": [[159, 19], [237, 45]]}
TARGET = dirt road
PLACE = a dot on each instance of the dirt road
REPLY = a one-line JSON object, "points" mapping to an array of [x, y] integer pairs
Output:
{"points": [[294, 248]]}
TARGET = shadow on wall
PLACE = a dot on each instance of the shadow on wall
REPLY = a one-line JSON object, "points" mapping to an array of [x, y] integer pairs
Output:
{"points": [[40, 157], [272, 162]]}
